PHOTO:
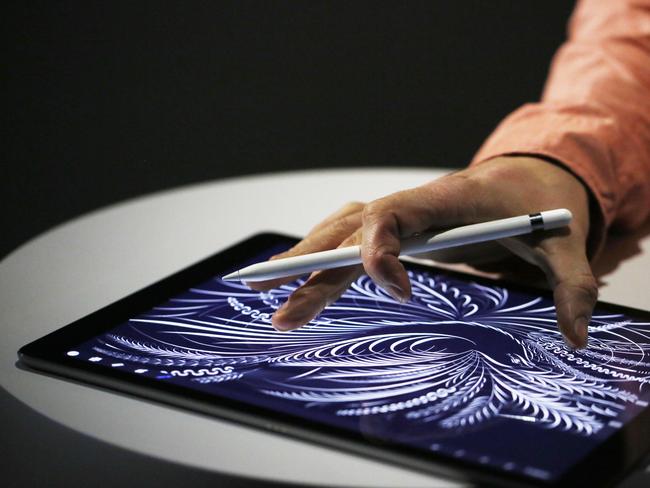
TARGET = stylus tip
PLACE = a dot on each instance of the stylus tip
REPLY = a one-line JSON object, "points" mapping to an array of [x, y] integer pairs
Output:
{"points": [[231, 277]]}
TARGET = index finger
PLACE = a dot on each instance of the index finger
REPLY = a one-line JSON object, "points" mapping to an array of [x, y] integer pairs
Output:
{"points": [[451, 200]]}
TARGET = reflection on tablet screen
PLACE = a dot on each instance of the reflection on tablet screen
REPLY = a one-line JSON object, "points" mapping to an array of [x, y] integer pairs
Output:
{"points": [[471, 371]]}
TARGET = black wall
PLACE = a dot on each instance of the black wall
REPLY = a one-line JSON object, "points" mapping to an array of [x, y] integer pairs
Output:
{"points": [[110, 100]]}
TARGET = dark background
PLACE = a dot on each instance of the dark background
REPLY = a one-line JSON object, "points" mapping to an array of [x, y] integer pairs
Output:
{"points": [[105, 101], [109, 100]]}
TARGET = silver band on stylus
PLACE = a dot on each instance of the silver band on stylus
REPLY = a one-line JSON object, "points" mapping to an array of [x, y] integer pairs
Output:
{"points": [[536, 221]]}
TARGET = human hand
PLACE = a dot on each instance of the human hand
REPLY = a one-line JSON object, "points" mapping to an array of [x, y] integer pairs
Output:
{"points": [[499, 188]]}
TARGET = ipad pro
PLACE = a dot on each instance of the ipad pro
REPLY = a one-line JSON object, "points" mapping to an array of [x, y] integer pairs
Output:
{"points": [[470, 378]]}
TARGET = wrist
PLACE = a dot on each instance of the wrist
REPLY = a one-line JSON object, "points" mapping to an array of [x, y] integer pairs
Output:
{"points": [[531, 183]]}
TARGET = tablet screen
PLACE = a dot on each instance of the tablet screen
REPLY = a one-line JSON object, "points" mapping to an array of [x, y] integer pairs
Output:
{"points": [[471, 371]]}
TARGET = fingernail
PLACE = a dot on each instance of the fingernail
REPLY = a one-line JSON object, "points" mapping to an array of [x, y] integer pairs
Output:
{"points": [[280, 326], [580, 329], [276, 322], [397, 293]]}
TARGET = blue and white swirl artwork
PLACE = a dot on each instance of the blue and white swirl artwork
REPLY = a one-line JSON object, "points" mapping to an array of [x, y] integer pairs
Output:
{"points": [[458, 359]]}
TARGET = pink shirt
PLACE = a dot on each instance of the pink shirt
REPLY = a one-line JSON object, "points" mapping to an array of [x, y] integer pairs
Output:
{"points": [[594, 115]]}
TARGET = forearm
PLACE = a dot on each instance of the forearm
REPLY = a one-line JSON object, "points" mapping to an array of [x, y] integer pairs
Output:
{"points": [[594, 116]]}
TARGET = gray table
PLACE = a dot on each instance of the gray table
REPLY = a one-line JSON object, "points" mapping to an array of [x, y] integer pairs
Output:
{"points": [[84, 264]]}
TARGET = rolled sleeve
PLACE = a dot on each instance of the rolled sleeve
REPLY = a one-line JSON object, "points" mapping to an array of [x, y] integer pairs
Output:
{"points": [[594, 115]]}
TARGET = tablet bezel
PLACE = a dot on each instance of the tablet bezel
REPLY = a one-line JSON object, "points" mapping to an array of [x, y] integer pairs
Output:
{"points": [[600, 467]]}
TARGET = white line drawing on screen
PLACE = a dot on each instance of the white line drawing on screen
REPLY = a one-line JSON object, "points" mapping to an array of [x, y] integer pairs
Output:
{"points": [[458, 355]]}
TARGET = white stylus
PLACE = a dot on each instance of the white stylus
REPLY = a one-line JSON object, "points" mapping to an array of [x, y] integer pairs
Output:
{"points": [[346, 256]]}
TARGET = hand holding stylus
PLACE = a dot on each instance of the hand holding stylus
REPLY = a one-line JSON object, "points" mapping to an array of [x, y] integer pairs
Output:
{"points": [[496, 189], [414, 245]]}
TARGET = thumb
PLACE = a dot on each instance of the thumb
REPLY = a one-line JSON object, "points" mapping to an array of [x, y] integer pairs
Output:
{"points": [[567, 269], [575, 293]]}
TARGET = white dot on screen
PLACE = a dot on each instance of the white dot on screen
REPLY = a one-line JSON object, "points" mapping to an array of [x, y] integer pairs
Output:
{"points": [[95, 359], [73, 353], [140, 371]]}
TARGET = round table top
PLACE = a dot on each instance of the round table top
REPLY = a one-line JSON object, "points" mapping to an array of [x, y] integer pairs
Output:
{"points": [[93, 260]]}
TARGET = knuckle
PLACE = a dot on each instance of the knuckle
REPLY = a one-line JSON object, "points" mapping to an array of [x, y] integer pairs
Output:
{"points": [[374, 261], [381, 205], [378, 214], [371, 210], [353, 206]]}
